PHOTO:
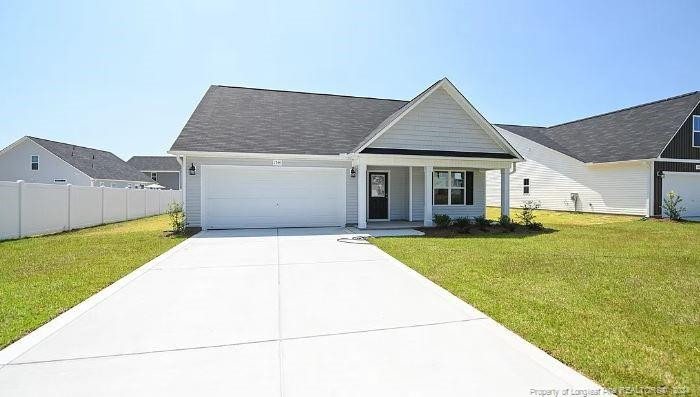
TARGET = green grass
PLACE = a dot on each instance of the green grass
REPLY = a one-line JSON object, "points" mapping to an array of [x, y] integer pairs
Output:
{"points": [[41, 277], [615, 297]]}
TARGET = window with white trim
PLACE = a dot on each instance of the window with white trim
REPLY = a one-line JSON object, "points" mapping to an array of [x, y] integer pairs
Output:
{"points": [[35, 163], [450, 188], [154, 176], [696, 131], [526, 186]]}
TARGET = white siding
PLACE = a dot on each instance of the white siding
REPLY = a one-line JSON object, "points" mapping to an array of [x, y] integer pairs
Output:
{"points": [[621, 188], [193, 186], [418, 193], [438, 123]]}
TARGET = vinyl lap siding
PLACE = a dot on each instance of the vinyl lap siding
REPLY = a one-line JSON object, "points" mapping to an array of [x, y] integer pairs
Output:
{"points": [[438, 123], [193, 183], [418, 193], [621, 188]]}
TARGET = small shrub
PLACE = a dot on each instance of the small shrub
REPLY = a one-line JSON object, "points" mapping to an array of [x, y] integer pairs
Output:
{"points": [[442, 220], [528, 214], [177, 218], [462, 222], [506, 222], [482, 222], [672, 206]]}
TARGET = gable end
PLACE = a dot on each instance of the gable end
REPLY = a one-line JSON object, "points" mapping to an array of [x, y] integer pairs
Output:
{"points": [[438, 123], [681, 145]]}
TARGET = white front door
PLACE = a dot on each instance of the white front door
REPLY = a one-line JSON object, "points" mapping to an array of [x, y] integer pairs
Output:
{"points": [[257, 197], [687, 186]]}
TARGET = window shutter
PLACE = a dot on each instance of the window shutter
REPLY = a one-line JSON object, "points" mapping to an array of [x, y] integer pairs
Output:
{"points": [[470, 188]]}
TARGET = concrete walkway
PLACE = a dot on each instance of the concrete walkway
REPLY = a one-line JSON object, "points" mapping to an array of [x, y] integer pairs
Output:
{"points": [[287, 312]]}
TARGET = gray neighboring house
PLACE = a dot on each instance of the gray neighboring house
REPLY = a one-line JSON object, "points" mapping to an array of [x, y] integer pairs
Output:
{"points": [[267, 158], [37, 160], [163, 170]]}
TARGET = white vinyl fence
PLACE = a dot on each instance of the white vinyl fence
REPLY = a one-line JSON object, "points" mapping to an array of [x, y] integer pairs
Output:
{"points": [[28, 209]]}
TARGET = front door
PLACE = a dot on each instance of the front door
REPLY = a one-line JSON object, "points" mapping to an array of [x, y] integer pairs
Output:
{"points": [[378, 195]]}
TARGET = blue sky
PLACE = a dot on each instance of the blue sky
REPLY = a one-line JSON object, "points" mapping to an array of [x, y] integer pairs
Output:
{"points": [[125, 76]]}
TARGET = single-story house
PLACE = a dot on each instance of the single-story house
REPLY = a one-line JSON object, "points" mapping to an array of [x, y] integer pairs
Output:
{"points": [[622, 162], [267, 158], [39, 160], [163, 170]]}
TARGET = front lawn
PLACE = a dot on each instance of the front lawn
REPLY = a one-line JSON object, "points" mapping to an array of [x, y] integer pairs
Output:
{"points": [[615, 297], [41, 277]]}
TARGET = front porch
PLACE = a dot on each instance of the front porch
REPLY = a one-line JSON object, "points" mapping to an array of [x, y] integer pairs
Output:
{"points": [[398, 192]]}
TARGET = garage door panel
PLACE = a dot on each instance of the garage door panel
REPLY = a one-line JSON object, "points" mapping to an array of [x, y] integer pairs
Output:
{"points": [[239, 197], [687, 186]]}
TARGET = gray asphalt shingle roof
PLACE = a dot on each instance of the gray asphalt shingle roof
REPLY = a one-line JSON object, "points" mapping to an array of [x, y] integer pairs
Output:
{"points": [[639, 132], [97, 164], [154, 163], [250, 120]]}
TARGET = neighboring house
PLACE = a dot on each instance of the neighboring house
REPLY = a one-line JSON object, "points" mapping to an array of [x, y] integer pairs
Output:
{"points": [[43, 161], [623, 162], [267, 158], [163, 170]]}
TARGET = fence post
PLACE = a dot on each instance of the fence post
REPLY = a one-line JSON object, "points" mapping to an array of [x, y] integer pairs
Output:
{"points": [[69, 190], [102, 199], [126, 213], [20, 192]]}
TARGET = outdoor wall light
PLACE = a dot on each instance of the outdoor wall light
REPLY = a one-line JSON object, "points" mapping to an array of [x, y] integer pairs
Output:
{"points": [[193, 170], [353, 173], [660, 174]]}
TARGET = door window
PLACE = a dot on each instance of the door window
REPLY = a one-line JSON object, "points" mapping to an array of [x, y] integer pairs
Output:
{"points": [[378, 185]]}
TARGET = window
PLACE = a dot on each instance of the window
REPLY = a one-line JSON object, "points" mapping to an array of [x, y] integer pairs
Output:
{"points": [[696, 131], [59, 181], [452, 188], [154, 176], [526, 186], [35, 162], [113, 185]]}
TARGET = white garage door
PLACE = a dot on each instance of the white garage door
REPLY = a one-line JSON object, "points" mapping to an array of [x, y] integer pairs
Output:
{"points": [[687, 185], [242, 197]]}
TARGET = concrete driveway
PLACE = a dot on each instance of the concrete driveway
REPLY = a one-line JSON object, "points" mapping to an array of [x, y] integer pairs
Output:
{"points": [[287, 312]]}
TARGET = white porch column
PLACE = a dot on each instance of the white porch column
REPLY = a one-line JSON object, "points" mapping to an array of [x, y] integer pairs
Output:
{"points": [[410, 194], [428, 200], [362, 196], [505, 192]]}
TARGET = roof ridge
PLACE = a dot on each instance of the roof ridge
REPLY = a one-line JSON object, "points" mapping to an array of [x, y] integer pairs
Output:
{"points": [[627, 108], [520, 125], [70, 144], [310, 93]]}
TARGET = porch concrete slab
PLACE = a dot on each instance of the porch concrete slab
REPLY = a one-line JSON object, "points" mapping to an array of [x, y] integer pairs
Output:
{"points": [[389, 232], [469, 358], [240, 370], [328, 298], [172, 309]]}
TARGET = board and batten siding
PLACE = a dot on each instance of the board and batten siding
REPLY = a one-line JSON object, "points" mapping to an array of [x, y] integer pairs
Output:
{"points": [[681, 145], [616, 188], [438, 123], [193, 182]]}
